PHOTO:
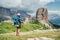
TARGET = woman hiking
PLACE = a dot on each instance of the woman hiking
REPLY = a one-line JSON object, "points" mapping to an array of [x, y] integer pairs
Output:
{"points": [[17, 22]]}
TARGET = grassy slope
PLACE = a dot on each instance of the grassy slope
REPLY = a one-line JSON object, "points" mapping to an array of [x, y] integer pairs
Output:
{"points": [[6, 27]]}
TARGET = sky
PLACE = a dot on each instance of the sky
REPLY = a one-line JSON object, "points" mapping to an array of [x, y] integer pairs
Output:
{"points": [[52, 5]]}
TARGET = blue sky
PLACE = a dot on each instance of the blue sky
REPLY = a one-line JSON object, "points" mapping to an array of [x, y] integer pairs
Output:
{"points": [[54, 6], [51, 5]]}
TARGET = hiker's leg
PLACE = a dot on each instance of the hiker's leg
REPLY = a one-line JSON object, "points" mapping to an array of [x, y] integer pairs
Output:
{"points": [[17, 31]]}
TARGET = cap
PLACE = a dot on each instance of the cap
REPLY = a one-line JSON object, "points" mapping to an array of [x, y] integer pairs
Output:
{"points": [[18, 14]]}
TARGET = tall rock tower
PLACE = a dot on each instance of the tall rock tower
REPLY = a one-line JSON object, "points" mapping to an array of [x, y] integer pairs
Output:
{"points": [[42, 15]]}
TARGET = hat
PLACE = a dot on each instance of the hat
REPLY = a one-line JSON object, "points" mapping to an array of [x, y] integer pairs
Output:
{"points": [[18, 14]]}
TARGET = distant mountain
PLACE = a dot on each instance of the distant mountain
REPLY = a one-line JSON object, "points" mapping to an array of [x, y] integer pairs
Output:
{"points": [[8, 13], [54, 18]]}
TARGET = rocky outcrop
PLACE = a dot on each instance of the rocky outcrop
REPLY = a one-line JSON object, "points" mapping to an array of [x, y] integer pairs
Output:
{"points": [[42, 16], [28, 19]]}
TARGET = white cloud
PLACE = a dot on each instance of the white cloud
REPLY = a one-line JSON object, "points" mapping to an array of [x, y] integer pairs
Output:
{"points": [[57, 12], [10, 3], [44, 2], [29, 4], [54, 12], [34, 4], [57, 0], [53, 15], [47, 0]]}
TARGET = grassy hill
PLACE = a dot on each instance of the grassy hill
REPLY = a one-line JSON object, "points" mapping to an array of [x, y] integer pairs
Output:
{"points": [[6, 27]]}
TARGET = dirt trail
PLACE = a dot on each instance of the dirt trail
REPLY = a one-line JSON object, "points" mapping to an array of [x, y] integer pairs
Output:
{"points": [[31, 32]]}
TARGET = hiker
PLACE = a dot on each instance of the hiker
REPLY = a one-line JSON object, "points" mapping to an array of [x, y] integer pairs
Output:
{"points": [[17, 22]]}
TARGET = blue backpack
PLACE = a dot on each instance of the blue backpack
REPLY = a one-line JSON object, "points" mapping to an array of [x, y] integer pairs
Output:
{"points": [[17, 20]]}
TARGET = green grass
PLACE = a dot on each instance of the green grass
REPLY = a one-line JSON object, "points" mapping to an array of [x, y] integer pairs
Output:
{"points": [[54, 35], [6, 27], [32, 26]]}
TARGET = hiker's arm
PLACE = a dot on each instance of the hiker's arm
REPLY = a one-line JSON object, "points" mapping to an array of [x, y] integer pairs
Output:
{"points": [[21, 20]]}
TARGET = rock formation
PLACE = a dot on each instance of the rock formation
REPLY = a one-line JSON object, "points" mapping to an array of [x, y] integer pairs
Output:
{"points": [[42, 14], [28, 19]]}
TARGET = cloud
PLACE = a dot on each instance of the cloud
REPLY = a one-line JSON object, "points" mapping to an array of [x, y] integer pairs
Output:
{"points": [[44, 2], [52, 15], [57, 0], [31, 4], [34, 4], [54, 12], [47, 0], [28, 4], [10, 3]]}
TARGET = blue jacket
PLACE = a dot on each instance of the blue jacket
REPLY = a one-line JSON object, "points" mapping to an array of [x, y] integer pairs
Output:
{"points": [[17, 20]]}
